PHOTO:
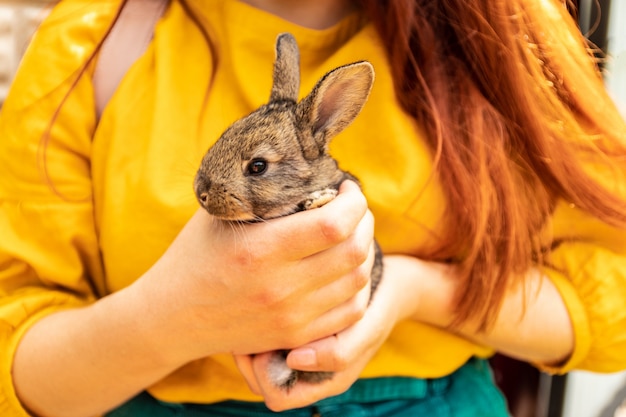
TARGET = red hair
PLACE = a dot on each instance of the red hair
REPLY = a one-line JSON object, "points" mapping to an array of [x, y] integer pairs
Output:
{"points": [[508, 95]]}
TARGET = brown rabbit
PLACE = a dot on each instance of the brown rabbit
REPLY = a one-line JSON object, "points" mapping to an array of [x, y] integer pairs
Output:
{"points": [[274, 162]]}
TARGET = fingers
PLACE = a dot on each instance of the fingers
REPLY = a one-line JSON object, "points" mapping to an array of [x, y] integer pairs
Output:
{"points": [[352, 262], [345, 299], [345, 353], [351, 259], [324, 227], [338, 352], [244, 363], [328, 280], [300, 395], [331, 354], [338, 318]]}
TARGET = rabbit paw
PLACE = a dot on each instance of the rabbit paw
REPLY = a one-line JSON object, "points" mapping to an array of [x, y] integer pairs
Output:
{"points": [[286, 378], [280, 374], [319, 198]]}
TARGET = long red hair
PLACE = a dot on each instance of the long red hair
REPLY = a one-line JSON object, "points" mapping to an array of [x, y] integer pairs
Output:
{"points": [[514, 108]]}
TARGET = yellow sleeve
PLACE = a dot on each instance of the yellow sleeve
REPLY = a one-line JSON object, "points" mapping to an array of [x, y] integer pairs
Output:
{"points": [[49, 256], [589, 270]]}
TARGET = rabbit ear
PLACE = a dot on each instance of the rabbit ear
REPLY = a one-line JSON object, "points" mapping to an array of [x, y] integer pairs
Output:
{"points": [[334, 103], [286, 69]]}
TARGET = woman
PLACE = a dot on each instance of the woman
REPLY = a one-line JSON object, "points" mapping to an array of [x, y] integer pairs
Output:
{"points": [[490, 155]]}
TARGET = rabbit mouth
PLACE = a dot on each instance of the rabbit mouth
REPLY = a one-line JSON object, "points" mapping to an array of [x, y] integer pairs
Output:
{"points": [[238, 219], [279, 212], [253, 218], [239, 214]]}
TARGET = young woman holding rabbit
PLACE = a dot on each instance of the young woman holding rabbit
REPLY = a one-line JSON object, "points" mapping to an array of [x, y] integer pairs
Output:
{"points": [[488, 152]]}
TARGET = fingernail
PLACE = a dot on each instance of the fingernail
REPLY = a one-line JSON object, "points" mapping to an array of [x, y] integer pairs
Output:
{"points": [[303, 357]]}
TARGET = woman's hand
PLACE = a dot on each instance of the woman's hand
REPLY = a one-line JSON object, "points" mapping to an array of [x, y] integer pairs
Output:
{"points": [[532, 325], [345, 353], [217, 288], [222, 287]]}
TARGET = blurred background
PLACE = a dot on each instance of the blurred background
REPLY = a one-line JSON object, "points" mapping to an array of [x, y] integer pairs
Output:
{"points": [[18, 21], [530, 393]]}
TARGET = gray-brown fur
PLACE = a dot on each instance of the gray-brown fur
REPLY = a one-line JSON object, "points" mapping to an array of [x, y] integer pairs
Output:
{"points": [[290, 140]]}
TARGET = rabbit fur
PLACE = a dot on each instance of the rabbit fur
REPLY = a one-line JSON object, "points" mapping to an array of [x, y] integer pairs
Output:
{"points": [[274, 161]]}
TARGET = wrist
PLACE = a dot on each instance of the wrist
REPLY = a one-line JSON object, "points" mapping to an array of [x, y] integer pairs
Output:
{"points": [[141, 326], [82, 361], [174, 333], [427, 291]]}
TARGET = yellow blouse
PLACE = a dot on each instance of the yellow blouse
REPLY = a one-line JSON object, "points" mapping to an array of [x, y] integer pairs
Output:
{"points": [[122, 186]]}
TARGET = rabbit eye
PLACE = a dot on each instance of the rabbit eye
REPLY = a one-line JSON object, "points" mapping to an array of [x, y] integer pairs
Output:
{"points": [[257, 167]]}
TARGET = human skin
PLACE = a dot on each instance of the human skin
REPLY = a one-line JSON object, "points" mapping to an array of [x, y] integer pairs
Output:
{"points": [[207, 294], [423, 291], [314, 14]]}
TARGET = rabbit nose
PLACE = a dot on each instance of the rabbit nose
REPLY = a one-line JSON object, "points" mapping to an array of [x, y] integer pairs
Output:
{"points": [[202, 187]]}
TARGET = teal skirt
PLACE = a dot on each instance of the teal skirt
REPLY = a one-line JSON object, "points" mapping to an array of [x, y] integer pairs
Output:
{"points": [[468, 392]]}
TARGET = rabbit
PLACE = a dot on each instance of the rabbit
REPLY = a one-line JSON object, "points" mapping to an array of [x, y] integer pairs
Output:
{"points": [[274, 161]]}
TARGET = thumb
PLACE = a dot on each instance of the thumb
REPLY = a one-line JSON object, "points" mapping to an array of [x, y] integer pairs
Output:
{"points": [[322, 355]]}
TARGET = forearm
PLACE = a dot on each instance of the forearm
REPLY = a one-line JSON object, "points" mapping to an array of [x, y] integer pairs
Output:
{"points": [[85, 361], [533, 324]]}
